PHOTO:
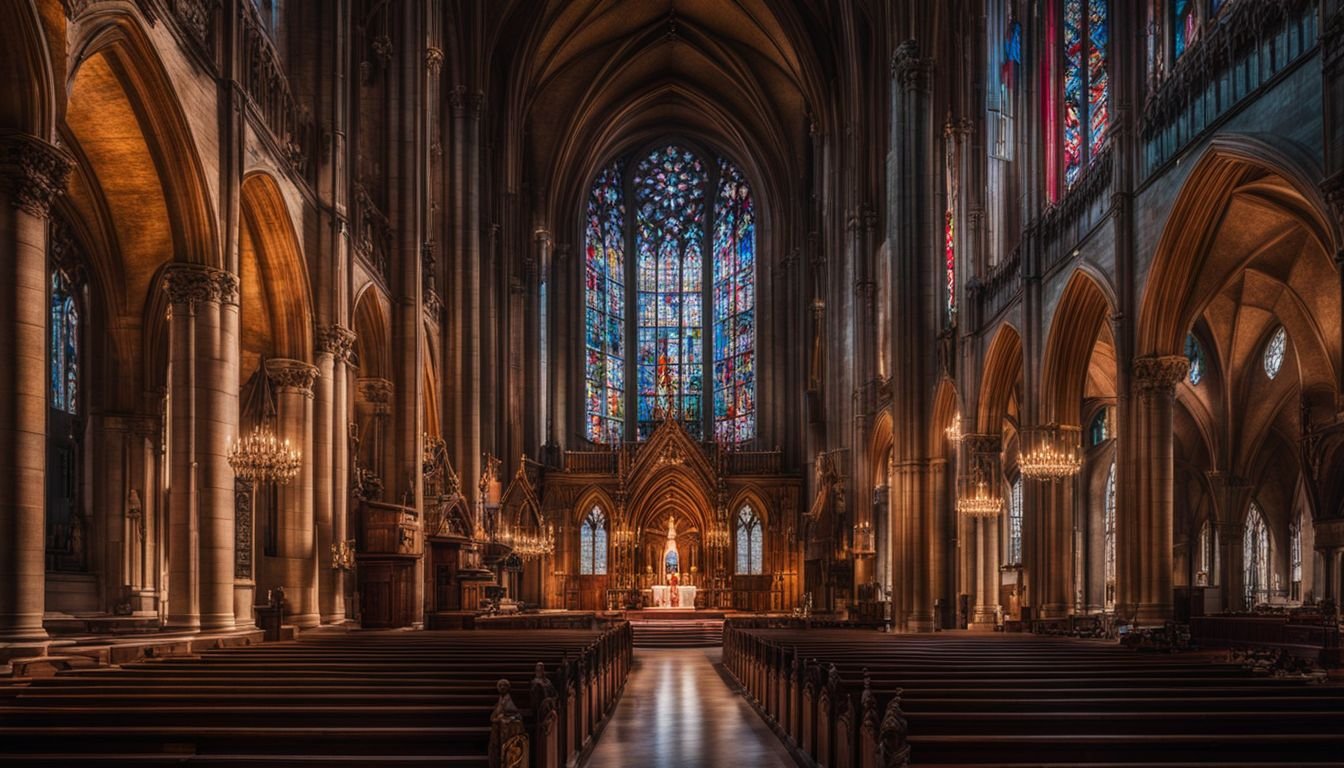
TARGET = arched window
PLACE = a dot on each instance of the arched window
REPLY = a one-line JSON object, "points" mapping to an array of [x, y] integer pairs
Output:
{"points": [[1295, 553], [604, 313], [64, 346], [1087, 87], [1195, 354], [1255, 557], [1274, 351], [1100, 431], [749, 542], [670, 283], [1204, 577], [593, 544], [1184, 25], [1108, 540], [1015, 523]]}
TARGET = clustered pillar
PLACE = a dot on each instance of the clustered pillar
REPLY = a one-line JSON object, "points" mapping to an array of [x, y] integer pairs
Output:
{"points": [[1149, 584], [37, 172], [293, 381]]}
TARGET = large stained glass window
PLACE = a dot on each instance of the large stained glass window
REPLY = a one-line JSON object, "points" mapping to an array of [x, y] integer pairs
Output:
{"points": [[1015, 523], [750, 559], [688, 288], [1255, 557], [1087, 86], [604, 295], [593, 544], [669, 249], [64, 346], [1108, 540], [1185, 24], [734, 309]]}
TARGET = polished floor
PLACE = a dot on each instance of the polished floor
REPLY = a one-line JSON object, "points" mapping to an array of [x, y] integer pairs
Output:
{"points": [[677, 712]]}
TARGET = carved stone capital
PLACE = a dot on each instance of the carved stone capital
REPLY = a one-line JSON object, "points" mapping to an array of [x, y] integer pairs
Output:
{"points": [[983, 444], [433, 60], [194, 283], [292, 374], [374, 390], [337, 341], [465, 103], [908, 69], [36, 171], [1155, 375]]}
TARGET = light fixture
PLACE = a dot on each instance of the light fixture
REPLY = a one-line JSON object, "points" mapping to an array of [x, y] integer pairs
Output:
{"points": [[261, 457], [1051, 452], [717, 537], [864, 539], [530, 546], [976, 499]]}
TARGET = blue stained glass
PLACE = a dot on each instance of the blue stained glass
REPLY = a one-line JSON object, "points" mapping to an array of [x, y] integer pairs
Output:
{"points": [[734, 308], [64, 346], [669, 189], [593, 544], [604, 321], [1185, 24], [1098, 77], [1195, 354], [1073, 90]]}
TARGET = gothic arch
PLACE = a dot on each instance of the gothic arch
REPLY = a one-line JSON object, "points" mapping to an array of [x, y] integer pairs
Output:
{"points": [[373, 337], [1182, 278], [593, 495], [27, 86], [273, 273], [753, 495], [1079, 320], [999, 383]]}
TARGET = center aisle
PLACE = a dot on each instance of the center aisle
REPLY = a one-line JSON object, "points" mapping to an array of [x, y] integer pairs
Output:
{"points": [[677, 712]]}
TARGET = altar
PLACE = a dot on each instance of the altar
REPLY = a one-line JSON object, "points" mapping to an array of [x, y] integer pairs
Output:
{"points": [[663, 596]]}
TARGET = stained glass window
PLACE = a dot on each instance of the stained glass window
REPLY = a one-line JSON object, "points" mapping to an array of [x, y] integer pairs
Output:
{"points": [[950, 257], [1195, 354], [1203, 577], [750, 558], [1100, 431], [666, 288], [1274, 350], [1087, 115], [64, 346], [593, 544], [1255, 557], [604, 294], [1295, 557], [1108, 540], [1185, 24], [1015, 522], [734, 308], [669, 246]]}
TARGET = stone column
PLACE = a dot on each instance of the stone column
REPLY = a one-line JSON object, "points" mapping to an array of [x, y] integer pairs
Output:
{"points": [[373, 407], [203, 397], [1156, 379], [34, 174], [293, 382], [982, 451], [330, 489]]}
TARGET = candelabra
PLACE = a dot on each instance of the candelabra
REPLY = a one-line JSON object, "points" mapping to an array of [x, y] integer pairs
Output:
{"points": [[261, 457], [1051, 452], [864, 539]]}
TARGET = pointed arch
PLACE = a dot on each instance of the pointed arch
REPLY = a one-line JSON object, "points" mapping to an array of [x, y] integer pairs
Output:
{"points": [[1083, 309], [999, 383], [27, 85], [373, 337], [279, 289]]}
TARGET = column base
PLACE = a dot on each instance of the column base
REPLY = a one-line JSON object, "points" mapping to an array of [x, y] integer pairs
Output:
{"points": [[182, 623], [304, 620], [21, 649], [984, 618], [1054, 611], [215, 621]]}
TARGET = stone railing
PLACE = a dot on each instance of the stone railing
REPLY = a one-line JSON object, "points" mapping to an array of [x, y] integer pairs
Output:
{"points": [[1056, 233], [591, 462], [752, 462], [1252, 43], [999, 288], [264, 81]]}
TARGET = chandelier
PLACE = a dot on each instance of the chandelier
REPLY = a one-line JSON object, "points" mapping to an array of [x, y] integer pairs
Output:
{"points": [[976, 500], [717, 537], [1051, 452], [954, 431], [531, 546], [624, 536], [261, 457]]}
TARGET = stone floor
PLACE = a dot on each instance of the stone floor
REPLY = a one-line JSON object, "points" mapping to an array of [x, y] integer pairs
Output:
{"points": [[677, 712]]}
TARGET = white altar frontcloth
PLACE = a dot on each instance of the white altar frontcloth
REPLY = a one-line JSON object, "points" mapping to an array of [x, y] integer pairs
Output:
{"points": [[662, 597], [686, 597]]}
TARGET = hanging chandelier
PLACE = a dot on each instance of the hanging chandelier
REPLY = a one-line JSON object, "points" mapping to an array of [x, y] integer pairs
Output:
{"points": [[1051, 452], [531, 546], [954, 431], [717, 537], [977, 500], [261, 457], [624, 536]]}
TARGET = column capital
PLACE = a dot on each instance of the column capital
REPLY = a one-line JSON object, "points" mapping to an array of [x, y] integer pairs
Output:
{"points": [[374, 390], [194, 283], [983, 444], [465, 102], [292, 374], [337, 341], [37, 172], [1158, 374], [908, 68]]}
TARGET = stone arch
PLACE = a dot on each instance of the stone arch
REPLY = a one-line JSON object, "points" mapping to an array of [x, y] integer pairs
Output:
{"points": [[109, 43], [373, 337], [27, 85], [1002, 373], [274, 275], [1079, 319], [1182, 279]]}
